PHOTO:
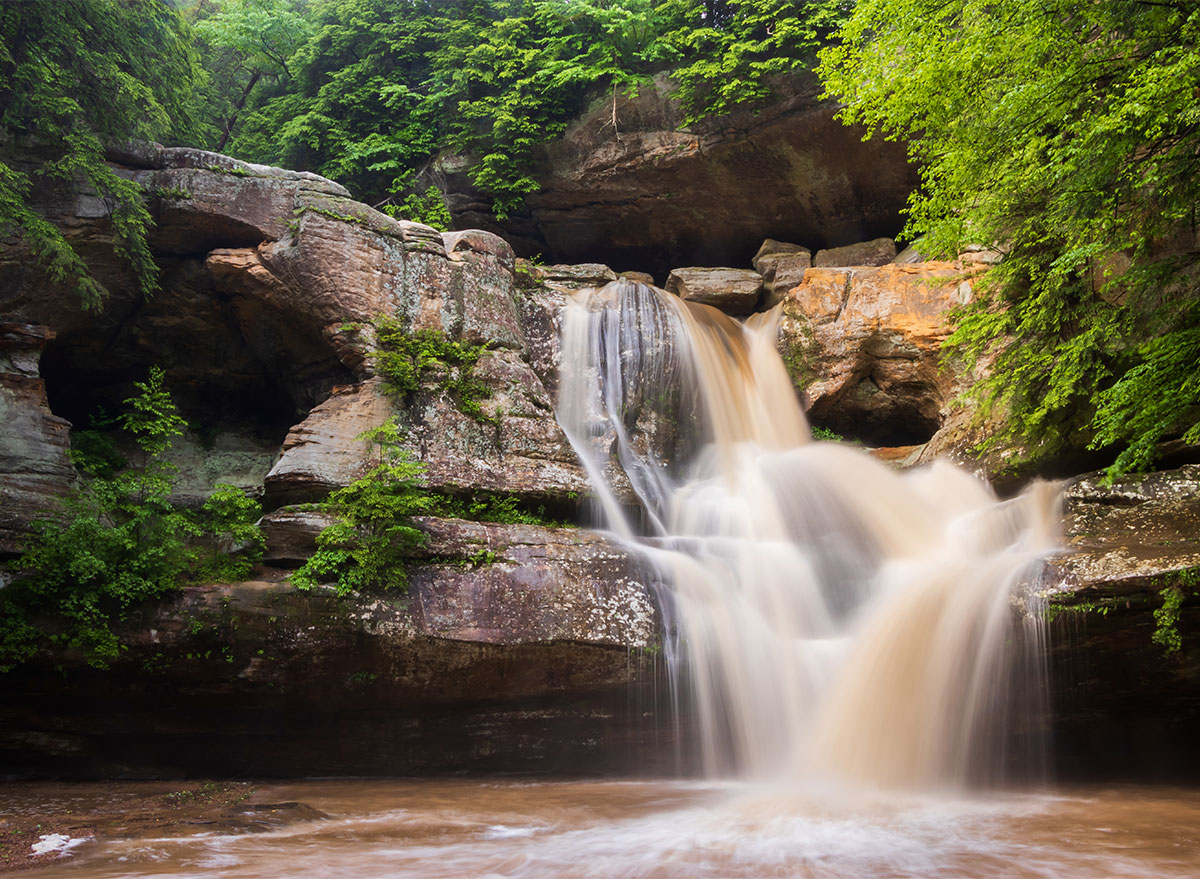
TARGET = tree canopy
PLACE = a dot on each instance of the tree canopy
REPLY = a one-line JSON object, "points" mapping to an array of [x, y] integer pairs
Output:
{"points": [[76, 76], [1068, 135], [381, 86]]}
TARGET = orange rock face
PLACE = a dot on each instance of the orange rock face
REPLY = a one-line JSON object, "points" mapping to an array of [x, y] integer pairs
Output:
{"points": [[864, 345]]}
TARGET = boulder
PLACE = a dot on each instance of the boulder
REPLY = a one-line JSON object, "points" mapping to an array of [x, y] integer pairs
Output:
{"points": [[733, 291], [864, 347], [638, 277], [878, 252], [782, 267], [575, 277]]}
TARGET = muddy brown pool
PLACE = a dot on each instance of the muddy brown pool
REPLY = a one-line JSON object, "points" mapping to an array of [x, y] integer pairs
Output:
{"points": [[651, 829]]}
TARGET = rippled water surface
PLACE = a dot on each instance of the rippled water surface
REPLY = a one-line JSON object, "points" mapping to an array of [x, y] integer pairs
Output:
{"points": [[605, 830]]}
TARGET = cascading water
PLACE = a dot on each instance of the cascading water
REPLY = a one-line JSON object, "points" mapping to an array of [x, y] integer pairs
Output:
{"points": [[831, 617]]}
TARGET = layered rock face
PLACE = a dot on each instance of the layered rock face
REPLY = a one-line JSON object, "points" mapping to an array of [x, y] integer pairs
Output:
{"points": [[518, 647], [651, 194], [512, 640], [271, 282], [1125, 707]]}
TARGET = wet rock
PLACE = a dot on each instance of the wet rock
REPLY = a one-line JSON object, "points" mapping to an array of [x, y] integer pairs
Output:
{"points": [[864, 346], [1131, 534], [878, 252], [733, 291], [639, 277], [782, 267], [510, 650], [575, 277], [1123, 707]]}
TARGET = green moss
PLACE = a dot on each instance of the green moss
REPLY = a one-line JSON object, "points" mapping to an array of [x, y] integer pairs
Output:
{"points": [[407, 361], [334, 215], [233, 171], [798, 356], [173, 192], [506, 509], [1172, 589]]}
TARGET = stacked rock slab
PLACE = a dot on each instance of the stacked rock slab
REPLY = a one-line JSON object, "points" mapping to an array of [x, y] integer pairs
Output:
{"points": [[1127, 705], [782, 267], [733, 291], [878, 252]]}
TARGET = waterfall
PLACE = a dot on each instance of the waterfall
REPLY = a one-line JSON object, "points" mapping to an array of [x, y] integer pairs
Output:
{"points": [[826, 616]]}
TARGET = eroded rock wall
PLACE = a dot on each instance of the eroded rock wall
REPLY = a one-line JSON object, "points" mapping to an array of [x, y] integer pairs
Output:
{"points": [[652, 194]]}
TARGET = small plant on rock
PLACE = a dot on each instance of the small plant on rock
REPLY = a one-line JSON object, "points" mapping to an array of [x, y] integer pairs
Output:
{"points": [[368, 547]]}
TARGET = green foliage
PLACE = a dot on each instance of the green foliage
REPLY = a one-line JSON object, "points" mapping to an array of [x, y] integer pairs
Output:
{"points": [[379, 88], [506, 509], [370, 545], [120, 542], [407, 360], [367, 548], [824, 434], [748, 46], [429, 209], [248, 47], [1166, 621], [75, 77], [1166, 617], [1067, 134]]}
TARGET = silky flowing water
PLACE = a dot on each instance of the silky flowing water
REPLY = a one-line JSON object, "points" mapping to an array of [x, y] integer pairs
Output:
{"points": [[827, 617], [859, 649]]}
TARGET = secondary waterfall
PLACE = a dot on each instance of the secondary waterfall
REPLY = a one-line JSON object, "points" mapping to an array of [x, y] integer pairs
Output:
{"points": [[826, 615]]}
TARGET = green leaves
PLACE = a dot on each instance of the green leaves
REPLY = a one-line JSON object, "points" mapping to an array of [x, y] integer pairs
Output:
{"points": [[382, 87], [367, 548], [151, 416], [406, 360], [75, 76], [1067, 134], [119, 542]]}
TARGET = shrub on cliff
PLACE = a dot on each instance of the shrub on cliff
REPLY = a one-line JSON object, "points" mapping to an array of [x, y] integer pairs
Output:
{"points": [[121, 542], [1069, 133], [367, 548]]}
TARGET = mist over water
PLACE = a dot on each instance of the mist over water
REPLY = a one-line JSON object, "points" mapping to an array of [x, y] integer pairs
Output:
{"points": [[828, 617]]}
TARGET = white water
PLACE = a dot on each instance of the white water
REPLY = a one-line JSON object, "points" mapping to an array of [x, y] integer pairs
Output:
{"points": [[828, 616]]}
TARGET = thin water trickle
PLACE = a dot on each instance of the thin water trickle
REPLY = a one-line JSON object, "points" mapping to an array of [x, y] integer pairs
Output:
{"points": [[827, 615]]}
